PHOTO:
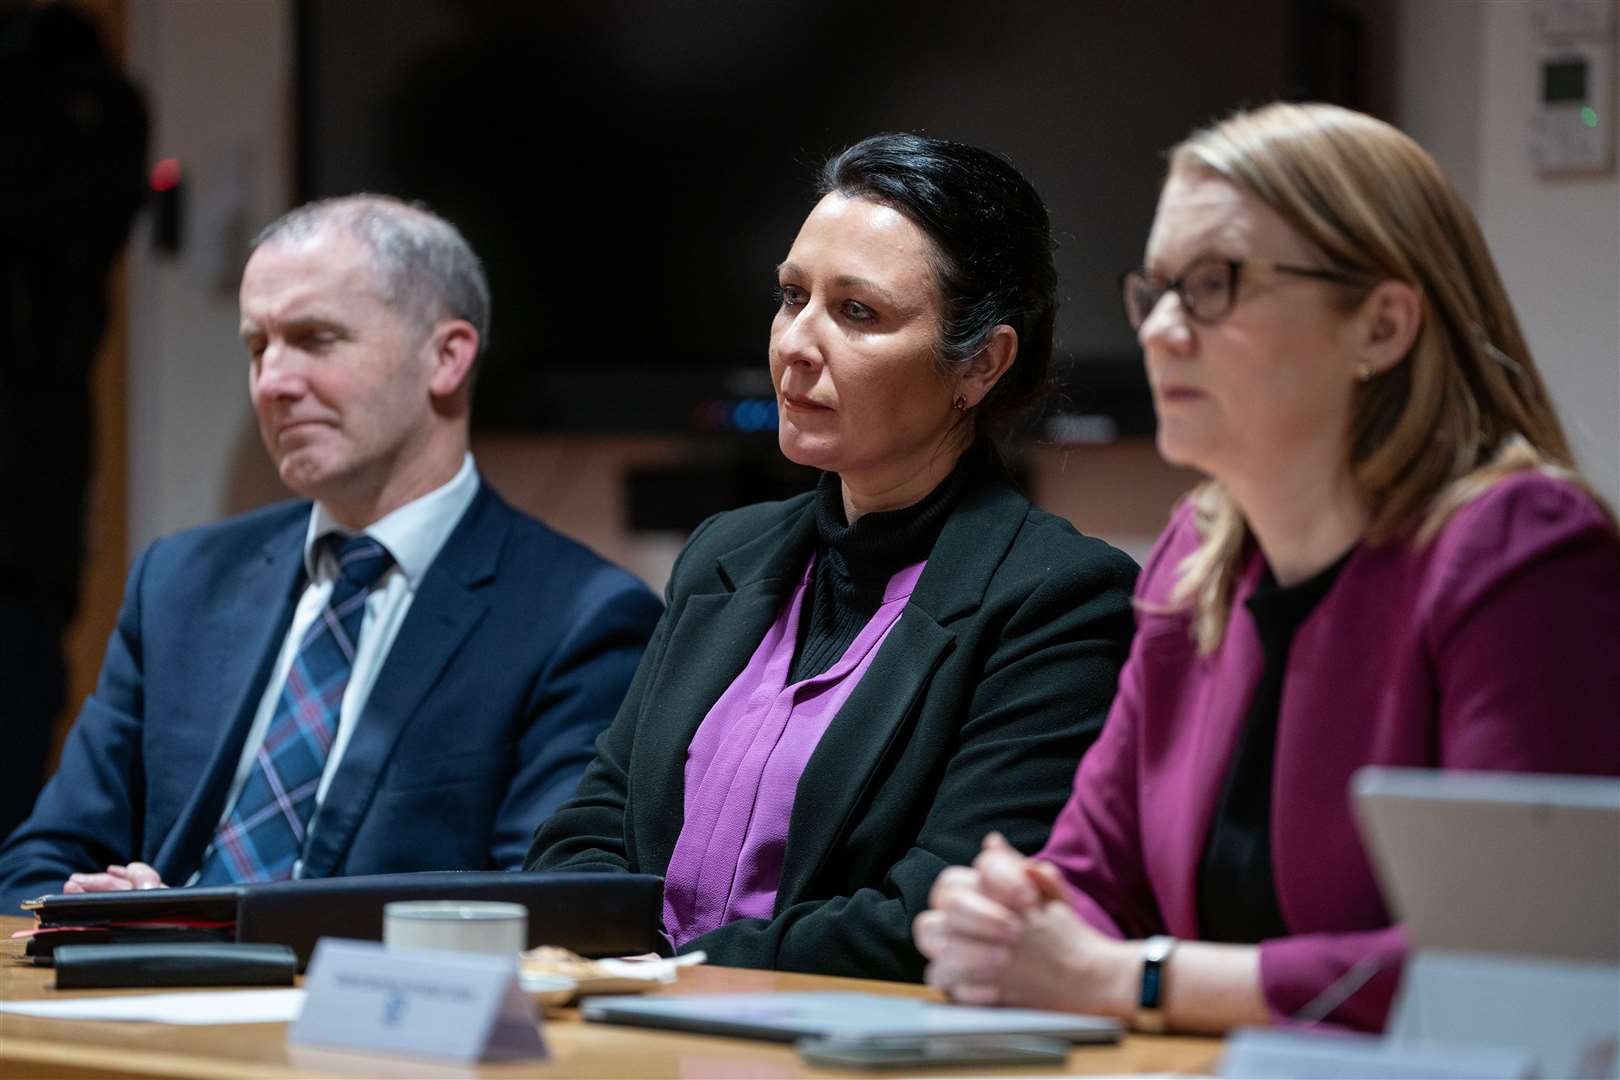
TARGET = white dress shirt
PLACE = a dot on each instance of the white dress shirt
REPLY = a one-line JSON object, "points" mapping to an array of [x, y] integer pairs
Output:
{"points": [[413, 535]]}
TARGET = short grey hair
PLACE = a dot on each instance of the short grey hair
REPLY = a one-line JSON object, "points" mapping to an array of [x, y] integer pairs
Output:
{"points": [[425, 267]]}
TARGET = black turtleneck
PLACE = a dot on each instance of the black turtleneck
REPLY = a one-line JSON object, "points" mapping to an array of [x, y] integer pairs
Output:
{"points": [[855, 562], [1237, 890]]}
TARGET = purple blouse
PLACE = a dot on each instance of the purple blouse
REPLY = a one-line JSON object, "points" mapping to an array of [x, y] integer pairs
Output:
{"points": [[743, 768]]}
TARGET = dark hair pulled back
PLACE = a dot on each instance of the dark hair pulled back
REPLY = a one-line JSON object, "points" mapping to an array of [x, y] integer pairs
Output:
{"points": [[992, 245]]}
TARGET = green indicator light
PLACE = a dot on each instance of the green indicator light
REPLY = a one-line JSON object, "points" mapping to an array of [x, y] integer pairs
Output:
{"points": [[1589, 116]]}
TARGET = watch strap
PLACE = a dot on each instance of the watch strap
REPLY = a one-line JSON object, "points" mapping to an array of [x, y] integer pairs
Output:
{"points": [[1150, 999]]}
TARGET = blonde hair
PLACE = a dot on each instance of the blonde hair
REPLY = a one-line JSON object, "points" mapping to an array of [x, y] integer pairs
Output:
{"points": [[1464, 408]]}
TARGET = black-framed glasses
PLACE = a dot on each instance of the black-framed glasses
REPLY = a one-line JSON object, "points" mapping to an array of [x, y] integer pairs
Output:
{"points": [[1208, 287]]}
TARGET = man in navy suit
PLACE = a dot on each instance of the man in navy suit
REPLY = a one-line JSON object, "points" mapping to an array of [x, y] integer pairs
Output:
{"points": [[402, 673]]}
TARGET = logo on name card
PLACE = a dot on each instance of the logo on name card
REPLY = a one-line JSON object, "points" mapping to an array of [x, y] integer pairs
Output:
{"points": [[393, 1010]]}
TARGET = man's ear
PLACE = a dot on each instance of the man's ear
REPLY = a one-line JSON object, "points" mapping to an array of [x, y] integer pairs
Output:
{"points": [[1385, 326], [452, 347], [982, 372]]}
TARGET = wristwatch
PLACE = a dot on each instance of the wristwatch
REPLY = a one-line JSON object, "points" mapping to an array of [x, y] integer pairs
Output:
{"points": [[1150, 1001]]}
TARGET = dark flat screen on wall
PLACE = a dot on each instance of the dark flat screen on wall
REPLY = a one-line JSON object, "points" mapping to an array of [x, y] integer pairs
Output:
{"points": [[632, 170]]}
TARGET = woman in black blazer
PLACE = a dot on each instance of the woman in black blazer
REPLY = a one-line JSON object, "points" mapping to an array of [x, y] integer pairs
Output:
{"points": [[816, 731]]}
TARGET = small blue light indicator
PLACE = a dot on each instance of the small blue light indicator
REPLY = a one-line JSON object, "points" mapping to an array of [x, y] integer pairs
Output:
{"points": [[753, 414]]}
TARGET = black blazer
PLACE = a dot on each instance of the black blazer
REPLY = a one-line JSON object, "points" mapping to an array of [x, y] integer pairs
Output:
{"points": [[972, 717]]}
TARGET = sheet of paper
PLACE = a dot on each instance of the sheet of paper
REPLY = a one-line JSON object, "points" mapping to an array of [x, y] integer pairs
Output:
{"points": [[211, 1007], [653, 970], [620, 976]]}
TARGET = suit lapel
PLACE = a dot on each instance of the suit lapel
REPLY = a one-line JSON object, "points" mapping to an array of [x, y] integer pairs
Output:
{"points": [[448, 604], [1223, 709], [241, 645], [974, 541], [715, 634], [856, 741], [972, 544]]}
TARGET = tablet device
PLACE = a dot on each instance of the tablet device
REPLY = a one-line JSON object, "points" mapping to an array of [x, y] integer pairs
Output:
{"points": [[790, 1016], [934, 1051], [1502, 863]]}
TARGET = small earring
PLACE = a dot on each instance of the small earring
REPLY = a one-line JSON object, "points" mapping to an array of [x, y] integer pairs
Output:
{"points": [[1364, 372], [960, 403]]}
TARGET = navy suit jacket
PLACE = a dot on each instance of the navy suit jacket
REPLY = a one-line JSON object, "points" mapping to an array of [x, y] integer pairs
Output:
{"points": [[514, 655]]}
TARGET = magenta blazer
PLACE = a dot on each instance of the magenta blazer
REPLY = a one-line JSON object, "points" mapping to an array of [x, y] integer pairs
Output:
{"points": [[1496, 646]]}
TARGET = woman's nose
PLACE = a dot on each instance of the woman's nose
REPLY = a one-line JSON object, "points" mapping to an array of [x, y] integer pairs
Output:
{"points": [[798, 342], [1166, 326]]}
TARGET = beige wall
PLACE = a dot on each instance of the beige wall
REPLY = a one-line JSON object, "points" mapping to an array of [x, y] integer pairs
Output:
{"points": [[1558, 243], [1466, 89], [217, 77], [1121, 492]]}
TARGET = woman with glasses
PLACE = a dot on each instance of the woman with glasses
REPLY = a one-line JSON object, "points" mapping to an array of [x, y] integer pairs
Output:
{"points": [[851, 687], [1392, 562]]}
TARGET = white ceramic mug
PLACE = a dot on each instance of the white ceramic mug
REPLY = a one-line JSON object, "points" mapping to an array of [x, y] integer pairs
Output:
{"points": [[468, 926]]}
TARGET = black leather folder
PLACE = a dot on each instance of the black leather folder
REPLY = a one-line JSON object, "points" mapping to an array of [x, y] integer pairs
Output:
{"points": [[592, 914]]}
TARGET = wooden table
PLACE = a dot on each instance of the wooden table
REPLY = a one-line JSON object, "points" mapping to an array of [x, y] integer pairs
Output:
{"points": [[35, 1047]]}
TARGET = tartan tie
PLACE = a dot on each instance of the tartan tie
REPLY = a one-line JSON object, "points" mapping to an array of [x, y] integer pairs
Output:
{"points": [[263, 836]]}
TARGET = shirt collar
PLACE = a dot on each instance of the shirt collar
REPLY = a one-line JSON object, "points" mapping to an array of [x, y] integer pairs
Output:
{"points": [[413, 534]]}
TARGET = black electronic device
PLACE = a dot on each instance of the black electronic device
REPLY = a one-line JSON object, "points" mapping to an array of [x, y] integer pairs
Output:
{"points": [[220, 963]]}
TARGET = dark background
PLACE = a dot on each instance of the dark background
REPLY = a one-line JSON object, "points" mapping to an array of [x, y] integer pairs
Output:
{"points": [[631, 171]]}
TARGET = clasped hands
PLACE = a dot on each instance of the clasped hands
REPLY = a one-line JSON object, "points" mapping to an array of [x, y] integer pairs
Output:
{"points": [[1004, 932], [137, 875]]}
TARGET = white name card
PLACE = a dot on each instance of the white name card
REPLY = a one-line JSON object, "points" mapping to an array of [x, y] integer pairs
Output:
{"points": [[1565, 1013], [362, 996], [1271, 1054]]}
